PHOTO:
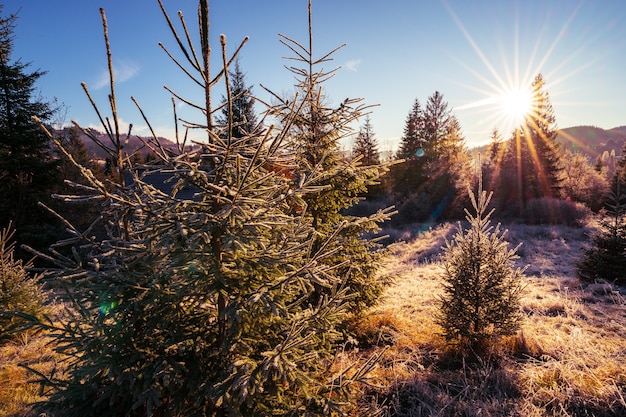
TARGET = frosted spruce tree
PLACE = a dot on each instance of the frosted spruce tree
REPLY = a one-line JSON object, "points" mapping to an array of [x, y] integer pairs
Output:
{"points": [[315, 137], [201, 306], [481, 286]]}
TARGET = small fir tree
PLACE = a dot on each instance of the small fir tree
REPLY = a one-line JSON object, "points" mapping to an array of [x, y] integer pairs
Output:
{"points": [[606, 259], [482, 288]]}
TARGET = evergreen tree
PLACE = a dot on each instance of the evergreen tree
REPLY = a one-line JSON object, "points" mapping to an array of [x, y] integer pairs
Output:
{"points": [[495, 149], [26, 167], [71, 139], [491, 166], [20, 291], [244, 119], [606, 259], [535, 153], [365, 145], [450, 173], [408, 176], [616, 171], [412, 140], [428, 183], [315, 137], [202, 306], [543, 129], [482, 288], [70, 169], [437, 120]]}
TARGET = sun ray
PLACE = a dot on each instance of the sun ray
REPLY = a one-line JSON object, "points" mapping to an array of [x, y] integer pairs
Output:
{"points": [[473, 43], [558, 38], [505, 84]]}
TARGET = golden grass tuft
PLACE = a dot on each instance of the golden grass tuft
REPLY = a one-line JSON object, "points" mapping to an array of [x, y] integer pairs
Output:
{"points": [[17, 389]]}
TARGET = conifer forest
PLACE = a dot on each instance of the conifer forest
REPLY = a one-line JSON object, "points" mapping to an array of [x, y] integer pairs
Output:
{"points": [[253, 265]]}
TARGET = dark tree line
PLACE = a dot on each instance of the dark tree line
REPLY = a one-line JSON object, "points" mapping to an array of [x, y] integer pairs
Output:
{"points": [[427, 186], [526, 171], [28, 171]]}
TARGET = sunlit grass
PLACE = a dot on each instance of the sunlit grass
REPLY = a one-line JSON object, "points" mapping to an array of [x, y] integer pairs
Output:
{"points": [[16, 388], [566, 360]]}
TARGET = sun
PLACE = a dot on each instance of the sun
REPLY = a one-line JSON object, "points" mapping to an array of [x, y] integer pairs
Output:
{"points": [[501, 99], [516, 105]]}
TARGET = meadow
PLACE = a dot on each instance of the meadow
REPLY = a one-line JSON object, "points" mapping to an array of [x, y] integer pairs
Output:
{"points": [[567, 359]]}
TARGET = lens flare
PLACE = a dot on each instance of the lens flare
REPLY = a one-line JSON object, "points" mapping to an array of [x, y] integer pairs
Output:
{"points": [[106, 308]]}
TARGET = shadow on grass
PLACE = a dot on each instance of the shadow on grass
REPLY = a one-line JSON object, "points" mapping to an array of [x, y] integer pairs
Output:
{"points": [[458, 388]]}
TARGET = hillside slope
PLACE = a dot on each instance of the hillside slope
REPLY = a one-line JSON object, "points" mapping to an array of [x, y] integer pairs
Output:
{"points": [[593, 141], [130, 143], [590, 140]]}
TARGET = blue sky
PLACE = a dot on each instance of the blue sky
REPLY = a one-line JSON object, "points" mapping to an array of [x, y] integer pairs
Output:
{"points": [[397, 51]]}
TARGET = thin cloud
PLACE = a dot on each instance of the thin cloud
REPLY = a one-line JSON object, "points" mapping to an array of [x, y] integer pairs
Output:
{"points": [[123, 71], [139, 130], [353, 65]]}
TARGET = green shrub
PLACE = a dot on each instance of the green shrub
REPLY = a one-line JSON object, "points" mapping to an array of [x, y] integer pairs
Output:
{"points": [[606, 259], [20, 292], [481, 287]]}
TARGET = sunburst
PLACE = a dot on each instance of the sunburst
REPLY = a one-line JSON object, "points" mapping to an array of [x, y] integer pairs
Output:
{"points": [[505, 88], [515, 105]]}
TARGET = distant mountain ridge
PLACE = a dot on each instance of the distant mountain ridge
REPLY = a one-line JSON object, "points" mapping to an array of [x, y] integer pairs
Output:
{"points": [[592, 140], [131, 144], [589, 140]]}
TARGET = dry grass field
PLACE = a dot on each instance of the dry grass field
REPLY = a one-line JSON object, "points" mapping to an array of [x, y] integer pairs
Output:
{"points": [[569, 359], [16, 389]]}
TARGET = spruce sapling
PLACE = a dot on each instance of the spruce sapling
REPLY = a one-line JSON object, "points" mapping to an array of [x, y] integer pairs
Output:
{"points": [[482, 287]]}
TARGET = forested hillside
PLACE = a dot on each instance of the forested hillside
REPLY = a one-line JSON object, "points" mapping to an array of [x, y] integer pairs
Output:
{"points": [[593, 141]]}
